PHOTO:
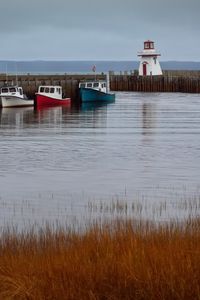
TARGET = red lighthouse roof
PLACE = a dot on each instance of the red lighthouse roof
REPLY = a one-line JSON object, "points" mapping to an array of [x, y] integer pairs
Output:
{"points": [[148, 41], [149, 49]]}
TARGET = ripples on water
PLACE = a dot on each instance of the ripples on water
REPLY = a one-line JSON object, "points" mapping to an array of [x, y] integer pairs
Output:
{"points": [[66, 164]]}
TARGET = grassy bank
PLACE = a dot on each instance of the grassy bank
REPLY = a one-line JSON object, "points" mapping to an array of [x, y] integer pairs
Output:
{"points": [[120, 260]]}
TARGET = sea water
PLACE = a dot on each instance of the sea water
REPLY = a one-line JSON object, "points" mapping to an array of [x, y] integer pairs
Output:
{"points": [[139, 156]]}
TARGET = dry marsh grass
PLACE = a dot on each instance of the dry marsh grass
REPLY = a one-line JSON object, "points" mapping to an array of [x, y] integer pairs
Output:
{"points": [[117, 260]]}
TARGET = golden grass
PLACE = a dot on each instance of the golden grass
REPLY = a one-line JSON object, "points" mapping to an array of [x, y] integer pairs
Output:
{"points": [[120, 260]]}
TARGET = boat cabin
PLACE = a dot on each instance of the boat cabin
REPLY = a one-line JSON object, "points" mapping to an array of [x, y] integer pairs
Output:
{"points": [[50, 91], [12, 91], [95, 85]]}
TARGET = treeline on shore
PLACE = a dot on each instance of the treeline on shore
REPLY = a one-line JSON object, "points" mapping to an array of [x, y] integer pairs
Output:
{"points": [[110, 260]]}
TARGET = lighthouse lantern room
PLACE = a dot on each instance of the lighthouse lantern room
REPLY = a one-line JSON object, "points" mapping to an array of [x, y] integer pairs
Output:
{"points": [[149, 64]]}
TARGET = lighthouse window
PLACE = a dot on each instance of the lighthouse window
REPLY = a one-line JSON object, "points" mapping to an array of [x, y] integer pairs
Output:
{"points": [[154, 60], [146, 46], [151, 46]]}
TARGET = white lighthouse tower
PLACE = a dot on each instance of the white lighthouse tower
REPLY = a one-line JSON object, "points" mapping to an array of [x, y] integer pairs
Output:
{"points": [[149, 64]]}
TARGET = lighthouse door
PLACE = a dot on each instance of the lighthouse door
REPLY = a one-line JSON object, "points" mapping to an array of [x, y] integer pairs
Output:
{"points": [[144, 69]]}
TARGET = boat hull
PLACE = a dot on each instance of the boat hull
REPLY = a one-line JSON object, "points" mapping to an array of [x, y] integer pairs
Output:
{"points": [[12, 101], [91, 95], [42, 100]]}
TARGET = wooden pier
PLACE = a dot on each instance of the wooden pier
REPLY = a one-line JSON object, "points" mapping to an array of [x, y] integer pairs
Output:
{"points": [[30, 83], [170, 81]]}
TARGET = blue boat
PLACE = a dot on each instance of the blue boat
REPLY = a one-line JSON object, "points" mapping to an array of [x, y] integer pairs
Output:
{"points": [[95, 91]]}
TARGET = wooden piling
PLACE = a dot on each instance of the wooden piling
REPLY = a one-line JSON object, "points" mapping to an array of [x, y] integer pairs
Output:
{"points": [[170, 81]]}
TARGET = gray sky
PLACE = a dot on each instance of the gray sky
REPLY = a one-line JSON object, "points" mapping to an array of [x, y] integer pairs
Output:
{"points": [[99, 30]]}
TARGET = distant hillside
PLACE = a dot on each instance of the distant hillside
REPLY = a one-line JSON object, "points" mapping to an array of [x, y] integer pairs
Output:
{"points": [[20, 67]]}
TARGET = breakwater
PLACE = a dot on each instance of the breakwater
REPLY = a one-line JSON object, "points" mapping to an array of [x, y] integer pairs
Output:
{"points": [[30, 83], [170, 81]]}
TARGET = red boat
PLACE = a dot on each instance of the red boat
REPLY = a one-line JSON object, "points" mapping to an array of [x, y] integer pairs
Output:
{"points": [[50, 96]]}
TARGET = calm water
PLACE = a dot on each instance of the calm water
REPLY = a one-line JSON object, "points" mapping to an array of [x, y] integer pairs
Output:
{"points": [[64, 164]]}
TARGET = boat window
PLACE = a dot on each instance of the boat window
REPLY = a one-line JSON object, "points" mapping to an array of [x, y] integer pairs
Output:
{"points": [[20, 91], [4, 90], [102, 85], [89, 85], [12, 90], [41, 89], [82, 85], [47, 90], [59, 91], [52, 90], [96, 84]]}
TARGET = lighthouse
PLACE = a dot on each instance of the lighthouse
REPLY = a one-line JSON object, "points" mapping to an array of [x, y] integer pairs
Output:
{"points": [[149, 64]]}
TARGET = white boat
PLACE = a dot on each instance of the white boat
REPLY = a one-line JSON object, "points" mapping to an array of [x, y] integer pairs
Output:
{"points": [[12, 96]]}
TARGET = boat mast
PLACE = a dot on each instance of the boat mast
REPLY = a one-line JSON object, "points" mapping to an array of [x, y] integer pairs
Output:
{"points": [[94, 70], [108, 82], [16, 73], [6, 74]]}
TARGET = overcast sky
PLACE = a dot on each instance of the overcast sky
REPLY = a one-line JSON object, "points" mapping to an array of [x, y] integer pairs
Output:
{"points": [[98, 30]]}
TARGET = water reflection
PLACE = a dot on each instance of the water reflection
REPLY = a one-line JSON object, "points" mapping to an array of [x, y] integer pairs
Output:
{"points": [[51, 115], [16, 117], [53, 161], [60, 115], [148, 117], [94, 105]]}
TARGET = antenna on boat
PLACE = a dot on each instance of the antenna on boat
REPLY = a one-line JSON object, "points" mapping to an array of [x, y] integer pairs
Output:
{"points": [[6, 74], [108, 81], [16, 73], [94, 70]]}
